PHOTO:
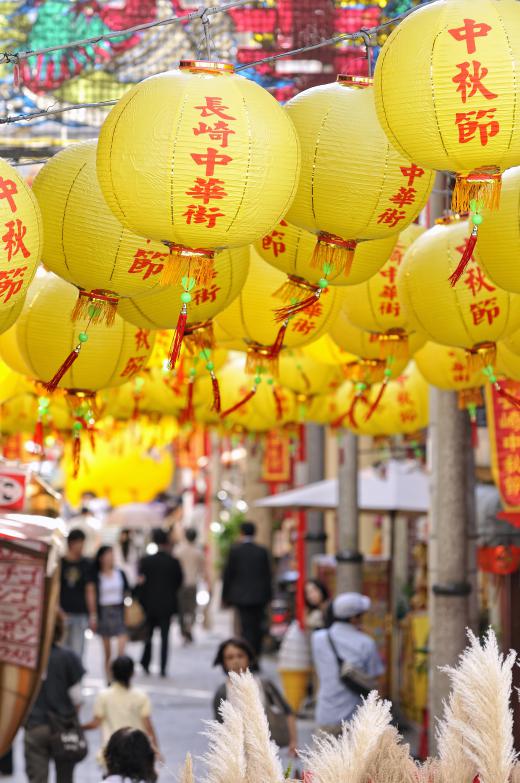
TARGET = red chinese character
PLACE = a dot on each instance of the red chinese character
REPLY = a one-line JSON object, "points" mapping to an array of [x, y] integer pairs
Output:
{"points": [[8, 189], [314, 310], [271, 241], [388, 292], [134, 365], [391, 217], [207, 190], [143, 262], [469, 32], [11, 282], [468, 84], [469, 124], [403, 398], [211, 159], [408, 416], [476, 281], [218, 132], [141, 339], [485, 310], [203, 295], [405, 196], [13, 239], [390, 272], [389, 308], [199, 214], [303, 326], [412, 172], [214, 106]]}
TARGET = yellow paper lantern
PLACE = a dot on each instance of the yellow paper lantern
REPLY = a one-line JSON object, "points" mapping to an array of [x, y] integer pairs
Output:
{"points": [[9, 315], [249, 323], [374, 305], [84, 243], [45, 334], [508, 362], [290, 249], [326, 350], [322, 409], [447, 84], [499, 236], [199, 158], [474, 315], [303, 375], [353, 185], [21, 235]]}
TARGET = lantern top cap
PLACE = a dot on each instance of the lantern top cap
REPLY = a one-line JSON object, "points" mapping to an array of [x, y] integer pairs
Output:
{"points": [[357, 82], [205, 66], [449, 220]]}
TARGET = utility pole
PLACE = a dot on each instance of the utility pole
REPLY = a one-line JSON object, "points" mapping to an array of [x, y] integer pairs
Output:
{"points": [[349, 559], [315, 536]]}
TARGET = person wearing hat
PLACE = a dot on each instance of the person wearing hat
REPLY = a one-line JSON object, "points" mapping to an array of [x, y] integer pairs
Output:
{"points": [[339, 648]]}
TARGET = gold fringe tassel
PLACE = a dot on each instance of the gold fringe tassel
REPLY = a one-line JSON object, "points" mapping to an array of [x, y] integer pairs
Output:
{"points": [[369, 371], [393, 343], [199, 336], [467, 397], [334, 252], [482, 185], [187, 262], [98, 306], [481, 356]]}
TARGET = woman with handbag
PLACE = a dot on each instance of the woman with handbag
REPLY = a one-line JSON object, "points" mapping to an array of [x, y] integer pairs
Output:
{"points": [[237, 655], [347, 662], [52, 731], [106, 604]]}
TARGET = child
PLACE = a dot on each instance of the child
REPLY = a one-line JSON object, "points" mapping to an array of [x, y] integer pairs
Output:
{"points": [[236, 655], [122, 706]]}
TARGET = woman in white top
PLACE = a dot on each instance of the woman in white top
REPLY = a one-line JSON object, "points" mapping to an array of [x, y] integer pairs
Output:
{"points": [[129, 756], [105, 598]]}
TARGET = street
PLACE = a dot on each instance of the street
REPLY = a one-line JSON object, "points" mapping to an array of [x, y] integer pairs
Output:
{"points": [[181, 703]]}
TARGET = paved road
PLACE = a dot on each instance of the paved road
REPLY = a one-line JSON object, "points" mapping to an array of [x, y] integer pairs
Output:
{"points": [[180, 703]]}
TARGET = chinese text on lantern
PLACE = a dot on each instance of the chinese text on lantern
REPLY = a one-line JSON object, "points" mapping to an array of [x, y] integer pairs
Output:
{"points": [[13, 235], [405, 196]]}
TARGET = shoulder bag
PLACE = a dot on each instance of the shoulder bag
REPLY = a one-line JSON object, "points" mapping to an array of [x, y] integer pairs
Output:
{"points": [[354, 679], [67, 740], [276, 715]]}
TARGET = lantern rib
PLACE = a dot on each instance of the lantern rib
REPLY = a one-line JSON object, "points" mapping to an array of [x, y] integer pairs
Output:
{"points": [[515, 91]]}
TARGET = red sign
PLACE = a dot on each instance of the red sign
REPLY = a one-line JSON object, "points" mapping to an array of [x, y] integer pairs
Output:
{"points": [[277, 458], [504, 434], [12, 489], [22, 592]]}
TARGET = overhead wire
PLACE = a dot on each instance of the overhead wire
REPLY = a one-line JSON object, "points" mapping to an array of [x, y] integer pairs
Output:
{"points": [[203, 14]]}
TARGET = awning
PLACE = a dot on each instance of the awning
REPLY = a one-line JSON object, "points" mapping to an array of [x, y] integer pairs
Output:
{"points": [[398, 486]]}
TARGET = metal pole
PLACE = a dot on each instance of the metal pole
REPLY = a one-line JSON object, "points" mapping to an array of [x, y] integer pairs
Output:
{"points": [[349, 558], [315, 536]]}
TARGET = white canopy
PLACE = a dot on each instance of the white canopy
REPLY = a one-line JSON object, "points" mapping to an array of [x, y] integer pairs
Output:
{"points": [[398, 486]]}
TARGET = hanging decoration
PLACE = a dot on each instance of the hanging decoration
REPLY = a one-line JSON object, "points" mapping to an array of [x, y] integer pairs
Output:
{"points": [[248, 324], [447, 83], [354, 185], [85, 244], [474, 315], [503, 419], [186, 158]]}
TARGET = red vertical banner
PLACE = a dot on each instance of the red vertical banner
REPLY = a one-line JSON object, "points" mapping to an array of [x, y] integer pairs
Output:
{"points": [[276, 467], [22, 592], [504, 434]]}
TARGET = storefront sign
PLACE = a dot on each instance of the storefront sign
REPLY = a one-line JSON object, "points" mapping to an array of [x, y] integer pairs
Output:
{"points": [[12, 489], [277, 458], [504, 435], [22, 590]]}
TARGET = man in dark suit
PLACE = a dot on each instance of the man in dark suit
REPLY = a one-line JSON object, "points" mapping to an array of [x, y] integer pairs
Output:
{"points": [[248, 584], [160, 578]]}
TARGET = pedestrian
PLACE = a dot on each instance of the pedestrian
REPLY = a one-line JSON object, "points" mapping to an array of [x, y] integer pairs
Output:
{"points": [[76, 573], [317, 599], [343, 643], [105, 597], [193, 565], [247, 585], [160, 579], [122, 705], [237, 655], [59, 696], [130, 758], [126, 556]]}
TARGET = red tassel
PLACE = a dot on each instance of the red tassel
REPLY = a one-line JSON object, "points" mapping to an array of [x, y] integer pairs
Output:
{"points": [[52, 385], [466, 257], [305, 379], [135, 412], [186, 415], [216, 393], [76, 455], [337, 423], [278, 403], [92, 437], [280, 337], [378, 399], [179, 334], [38, 436], [506, 396], [283, 313], [352, 410], [240, 403]]}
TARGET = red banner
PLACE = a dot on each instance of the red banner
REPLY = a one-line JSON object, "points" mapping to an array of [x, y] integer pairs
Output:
{"points": [[12, 489], [277, 458], [504, 435]]}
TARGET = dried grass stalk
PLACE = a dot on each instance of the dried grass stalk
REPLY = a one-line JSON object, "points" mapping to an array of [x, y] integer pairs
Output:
{"points": [[262, 761], [225, 759], [391, 762], [187, 770], [454, 765]]}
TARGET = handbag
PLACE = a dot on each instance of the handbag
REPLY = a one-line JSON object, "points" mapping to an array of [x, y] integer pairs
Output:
{"points": [[67, 740], [354, 679], [134, 615], [275, 711]]}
